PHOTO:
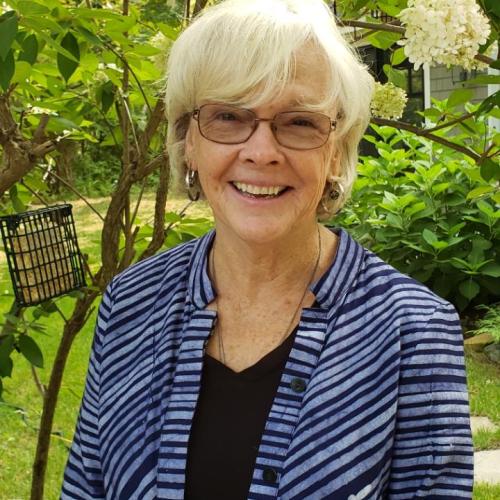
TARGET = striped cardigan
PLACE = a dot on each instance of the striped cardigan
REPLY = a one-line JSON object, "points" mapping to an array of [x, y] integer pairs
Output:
{"points": [[372, 403]]}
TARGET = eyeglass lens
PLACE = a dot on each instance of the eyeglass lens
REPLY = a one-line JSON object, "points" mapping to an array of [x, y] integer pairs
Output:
{"points": [[293, 129]]}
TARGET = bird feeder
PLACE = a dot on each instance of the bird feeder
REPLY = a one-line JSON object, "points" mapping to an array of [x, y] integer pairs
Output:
{"points": [[42, 254]]}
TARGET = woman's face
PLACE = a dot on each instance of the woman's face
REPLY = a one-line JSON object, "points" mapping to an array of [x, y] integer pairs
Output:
{"points": [[262, 162]]}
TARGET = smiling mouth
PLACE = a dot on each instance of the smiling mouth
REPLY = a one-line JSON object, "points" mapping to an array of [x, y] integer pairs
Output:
{"points": [[259, 191]]}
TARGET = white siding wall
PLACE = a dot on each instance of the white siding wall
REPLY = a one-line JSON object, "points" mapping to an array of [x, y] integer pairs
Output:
{"points": [[444, 81]]}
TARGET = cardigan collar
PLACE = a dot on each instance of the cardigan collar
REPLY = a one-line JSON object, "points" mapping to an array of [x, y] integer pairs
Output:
{"points": [[329, 289]]}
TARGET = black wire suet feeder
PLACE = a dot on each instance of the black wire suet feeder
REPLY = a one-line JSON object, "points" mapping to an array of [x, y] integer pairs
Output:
{"points": [[42, 254]]}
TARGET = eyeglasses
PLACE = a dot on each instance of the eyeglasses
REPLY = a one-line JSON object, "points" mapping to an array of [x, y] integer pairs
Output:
{"points": [[226, 124]]}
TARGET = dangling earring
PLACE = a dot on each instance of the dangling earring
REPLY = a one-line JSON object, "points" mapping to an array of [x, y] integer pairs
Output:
{"points": [[336, 191], [192, 184]]}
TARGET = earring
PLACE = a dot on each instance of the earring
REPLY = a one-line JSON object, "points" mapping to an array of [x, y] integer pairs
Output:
{"points": [[336, 191], [192, 184]]}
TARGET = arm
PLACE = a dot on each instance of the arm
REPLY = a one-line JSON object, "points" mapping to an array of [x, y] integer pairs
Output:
{"points": [[432, 454], [83, 477]]}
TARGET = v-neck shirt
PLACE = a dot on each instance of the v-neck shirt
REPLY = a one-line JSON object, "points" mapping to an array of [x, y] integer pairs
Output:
{"points": [[227, 427]]}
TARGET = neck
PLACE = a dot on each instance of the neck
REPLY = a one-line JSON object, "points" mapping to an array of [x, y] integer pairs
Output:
{"points": [[282, 264]]}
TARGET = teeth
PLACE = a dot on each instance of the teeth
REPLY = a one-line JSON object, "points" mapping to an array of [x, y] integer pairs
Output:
{"points": [[259, 190]]}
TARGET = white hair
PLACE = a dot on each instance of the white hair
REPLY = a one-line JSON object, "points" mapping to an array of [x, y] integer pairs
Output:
{"points": [[245, 52]]}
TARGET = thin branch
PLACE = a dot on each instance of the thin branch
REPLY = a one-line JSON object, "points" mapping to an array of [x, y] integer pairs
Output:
{"points": [[450, 123], [422, 132], [41, 388], [138, 202], [151, 166], [72, 189], [126, 64], [158, 237], [131, 121], [372, 26], [46, 147], [40, 130], [34, 193], [154, 122], [60, 312]]}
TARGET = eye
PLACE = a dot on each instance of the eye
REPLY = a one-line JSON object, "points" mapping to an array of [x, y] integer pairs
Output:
{"points": [[302, 122], [227, 116]]}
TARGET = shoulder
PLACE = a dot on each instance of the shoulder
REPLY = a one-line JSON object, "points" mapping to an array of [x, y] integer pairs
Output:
{"points": [[163, 272], [380, 286]]}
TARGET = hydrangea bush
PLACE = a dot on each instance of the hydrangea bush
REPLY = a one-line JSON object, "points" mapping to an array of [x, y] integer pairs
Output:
{"points": [[428, 212]]}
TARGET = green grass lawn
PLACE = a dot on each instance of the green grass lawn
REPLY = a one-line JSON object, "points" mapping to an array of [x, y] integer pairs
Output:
{"points": [[19, 415]]}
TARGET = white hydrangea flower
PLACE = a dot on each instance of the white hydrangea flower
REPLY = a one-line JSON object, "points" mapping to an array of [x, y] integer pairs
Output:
{"points": [[444, 32], [388, 101]]}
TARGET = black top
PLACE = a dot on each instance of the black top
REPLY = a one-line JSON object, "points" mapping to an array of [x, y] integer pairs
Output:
{"points": [[229, 420]]}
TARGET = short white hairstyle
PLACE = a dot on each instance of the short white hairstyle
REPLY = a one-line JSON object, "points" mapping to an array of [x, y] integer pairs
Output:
{"points": [[245, 52]]}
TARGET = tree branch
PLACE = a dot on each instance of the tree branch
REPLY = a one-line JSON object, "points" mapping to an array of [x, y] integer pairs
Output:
{"points": [[74, 190], [152, 165], [157, 116], [450, 123], [159, 223], [40, 130], [372, 26], [422, 132]]}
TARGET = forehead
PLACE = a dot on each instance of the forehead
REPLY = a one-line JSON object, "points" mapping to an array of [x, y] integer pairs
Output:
{"points": [[306, 83], [309, 86]]}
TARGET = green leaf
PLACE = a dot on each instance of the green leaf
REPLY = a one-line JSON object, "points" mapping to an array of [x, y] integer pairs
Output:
{"points": [[392, 10], [89, 36], [48, 306], [492, 7], [168, 31], [490, 169], [28, 8], [18, 205], [7, 70], [491, 269], [486, 208], [22, 72], [459, 96], [8, 30], [396, 76], [480, 191], [469, 288], [6, 347], [66, 66], [29, 49], [383, 40], [484, 80], [106, 95], [398, 56], [6, 366], [429, 236], [30, 350]]}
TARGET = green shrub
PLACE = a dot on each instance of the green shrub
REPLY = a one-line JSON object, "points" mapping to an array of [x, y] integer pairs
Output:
{"points": [[429, 213], [490, 322]]}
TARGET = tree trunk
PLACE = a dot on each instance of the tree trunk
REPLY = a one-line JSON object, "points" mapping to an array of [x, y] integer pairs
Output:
{"points": [[71, 328]]}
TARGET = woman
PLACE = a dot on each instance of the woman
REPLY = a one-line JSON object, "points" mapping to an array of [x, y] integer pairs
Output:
{"points": [[272, 358]]}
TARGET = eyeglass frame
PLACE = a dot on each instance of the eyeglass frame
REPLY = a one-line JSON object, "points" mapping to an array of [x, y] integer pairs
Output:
{"points": [[195, 114]]}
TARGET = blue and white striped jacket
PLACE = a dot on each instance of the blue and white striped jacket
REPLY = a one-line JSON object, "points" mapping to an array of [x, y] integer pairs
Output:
{"points": [[383, 413]]}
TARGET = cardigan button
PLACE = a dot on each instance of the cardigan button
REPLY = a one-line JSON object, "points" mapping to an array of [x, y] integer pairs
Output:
{"points": [[269, 475], [298, 385]]}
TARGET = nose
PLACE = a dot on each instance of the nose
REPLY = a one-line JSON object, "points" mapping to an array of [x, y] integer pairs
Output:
{"points": [[262, 148]]}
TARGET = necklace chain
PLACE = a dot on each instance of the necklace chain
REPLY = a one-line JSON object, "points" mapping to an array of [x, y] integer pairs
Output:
{"points": [[220, 341]]}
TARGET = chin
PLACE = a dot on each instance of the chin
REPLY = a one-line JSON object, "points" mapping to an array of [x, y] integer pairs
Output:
{"points": [[261, 230]]}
